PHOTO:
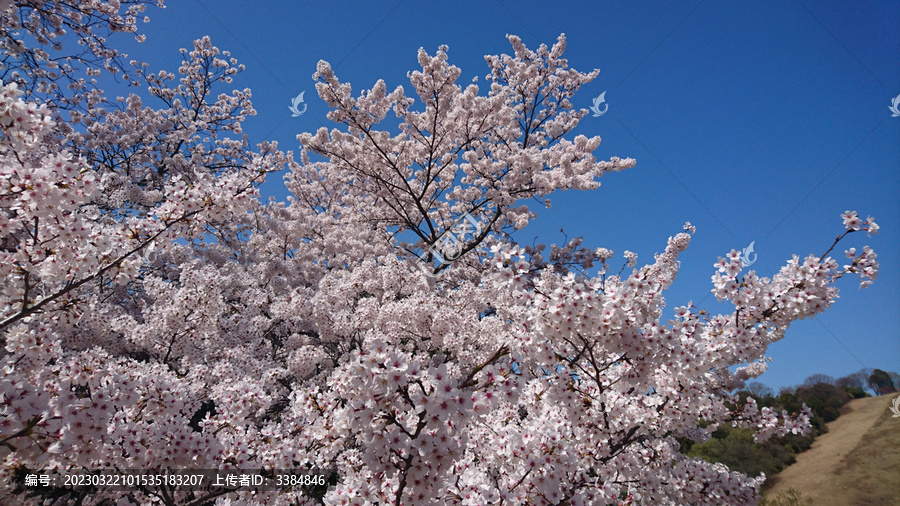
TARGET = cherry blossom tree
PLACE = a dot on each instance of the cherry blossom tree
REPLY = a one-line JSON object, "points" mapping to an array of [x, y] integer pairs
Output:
{"points": [[156, 314], [31, 46]]}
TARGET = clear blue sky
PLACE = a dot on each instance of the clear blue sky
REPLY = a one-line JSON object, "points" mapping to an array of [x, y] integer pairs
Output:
{"points": [[759, 121]]}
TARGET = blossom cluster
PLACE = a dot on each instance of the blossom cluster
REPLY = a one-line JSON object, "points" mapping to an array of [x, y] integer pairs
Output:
{"points": [[298, 335]]}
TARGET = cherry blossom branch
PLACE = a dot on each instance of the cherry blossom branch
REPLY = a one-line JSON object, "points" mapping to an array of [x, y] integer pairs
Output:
{"points": [[27, 310]]}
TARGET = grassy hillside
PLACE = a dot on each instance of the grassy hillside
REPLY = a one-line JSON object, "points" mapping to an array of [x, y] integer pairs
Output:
{"points": [[857, 462]]}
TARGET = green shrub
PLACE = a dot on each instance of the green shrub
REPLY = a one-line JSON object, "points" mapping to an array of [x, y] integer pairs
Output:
{"points": [[856, 392], [735, 448]]}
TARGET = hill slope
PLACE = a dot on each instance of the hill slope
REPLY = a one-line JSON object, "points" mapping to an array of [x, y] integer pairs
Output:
{"points": [[857, 462]]}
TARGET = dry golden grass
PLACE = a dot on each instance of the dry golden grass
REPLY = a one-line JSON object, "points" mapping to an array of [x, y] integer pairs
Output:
{"points": [[857, 462]]}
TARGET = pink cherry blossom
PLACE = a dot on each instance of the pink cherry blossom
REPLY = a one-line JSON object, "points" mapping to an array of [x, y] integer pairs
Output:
{"points": [[155, 313]]}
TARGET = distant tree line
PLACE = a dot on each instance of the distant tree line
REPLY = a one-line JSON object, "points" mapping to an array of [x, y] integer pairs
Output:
{"points": [[876, 381], [823, 394]]}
